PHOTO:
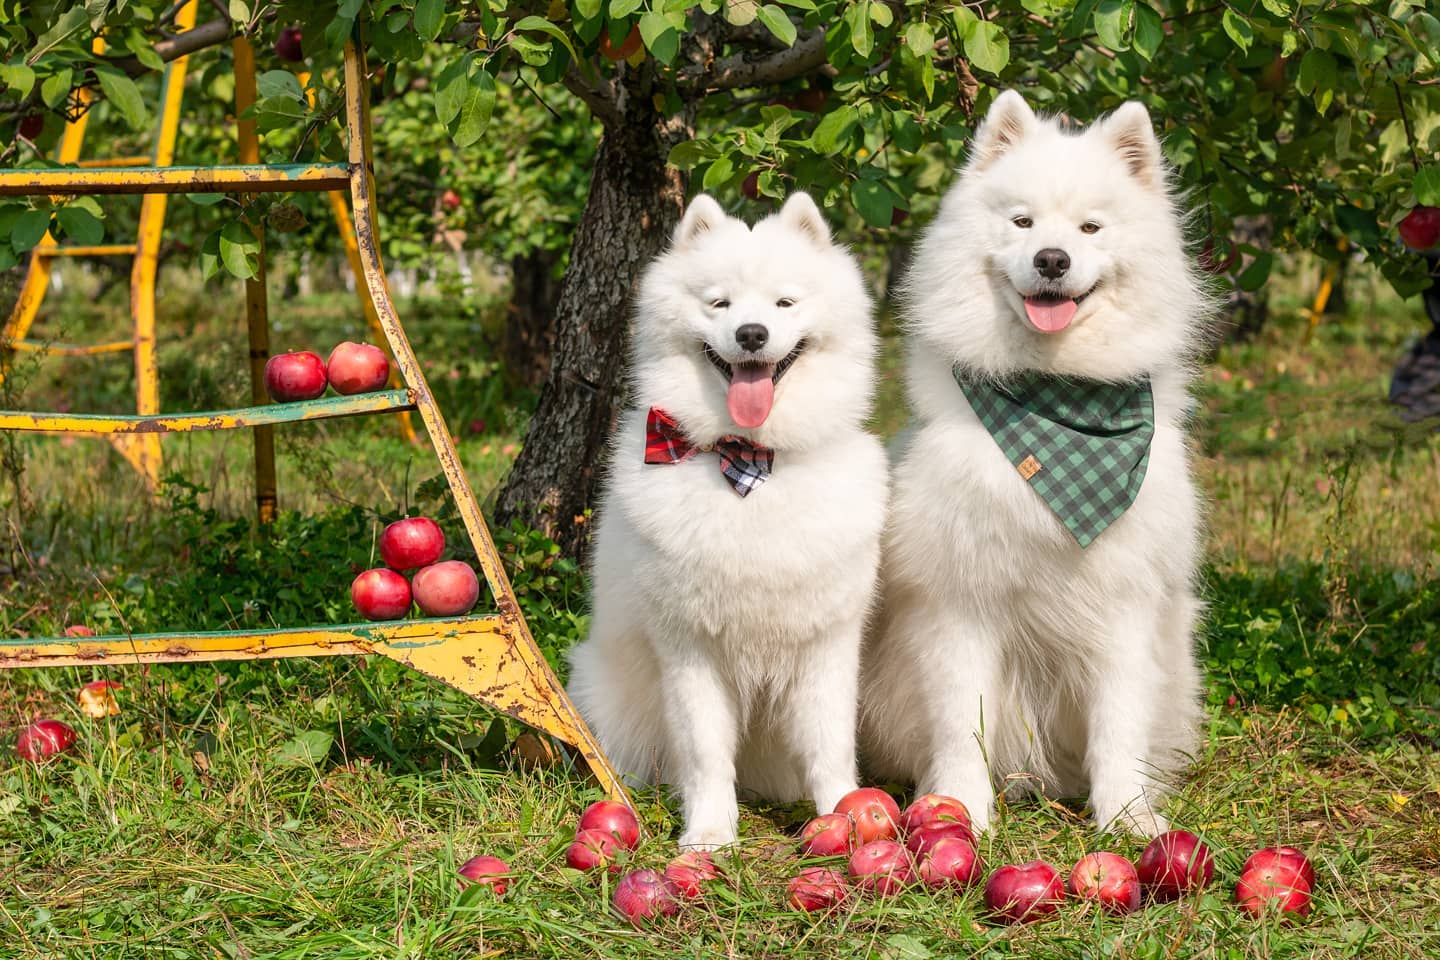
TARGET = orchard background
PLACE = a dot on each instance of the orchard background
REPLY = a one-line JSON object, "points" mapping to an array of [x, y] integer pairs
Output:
{"points": [[531, 158]]}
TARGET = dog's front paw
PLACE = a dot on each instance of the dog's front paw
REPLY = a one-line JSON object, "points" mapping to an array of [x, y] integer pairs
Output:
{"points": [[702, 837], [1137, 817]]}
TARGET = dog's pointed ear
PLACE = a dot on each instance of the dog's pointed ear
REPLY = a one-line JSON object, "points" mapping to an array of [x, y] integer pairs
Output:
{"points": [[1006, 124], [801, 215], [702, 216], [1130, 132]]}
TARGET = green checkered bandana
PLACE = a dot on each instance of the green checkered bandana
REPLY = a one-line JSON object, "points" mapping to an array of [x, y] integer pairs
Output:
{"points": [[1082, 444]]}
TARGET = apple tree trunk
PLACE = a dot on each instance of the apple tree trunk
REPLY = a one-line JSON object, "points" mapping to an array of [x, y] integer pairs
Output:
{"points": [[529, 338]]}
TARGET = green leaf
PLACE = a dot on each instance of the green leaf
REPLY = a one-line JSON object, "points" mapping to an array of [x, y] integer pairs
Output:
{"points": [[777, 23], [240, 250], [450, 89], [660, 36], [1149, 30], [832, 133], [18, 77], [1281, 8], [80, 225], [429, 18], [1427, 185], [1254, 276], [718, 173], [1113, 20], [205, 199], [588, 9], [690, 154], [874, 201], [545, 26], [70, 22], [1318, 73], [279, 83], [210, 256], [122, 93], [28, 229], [739, 12], [920, 38], [56, 87], [239, 11], [308, 749], [1289, 43], [1238, 28], [475, 111], [987, 47], [619, 9], [862, 31], [137, 43]]}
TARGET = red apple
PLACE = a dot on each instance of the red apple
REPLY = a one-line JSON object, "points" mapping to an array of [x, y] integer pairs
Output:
{"points": [[624, 49], [1273, 887], [644, 894], [882, 867], [79, 630], [689, 870], [591, 849], [612, 817], [410, 543], [357, 368], [489, 872], [32, 125], [446, 589], [898, 216], [828, 835], [1421, 228], [1287, 858], [295, 376], [951, 861], [931, 807], [1108, 879], [288, 46], [1175, 863], [96, 699], [1212, 262], [750, 186], [44, 738], [876, 815], [450, 200], [1024, 893], [811, 99], [381, 594], [816, 888], [923, 837]]}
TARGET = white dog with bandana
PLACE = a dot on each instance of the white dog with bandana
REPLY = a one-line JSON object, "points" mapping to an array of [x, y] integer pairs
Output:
{"points": [[1044, 532], [739, 537]]}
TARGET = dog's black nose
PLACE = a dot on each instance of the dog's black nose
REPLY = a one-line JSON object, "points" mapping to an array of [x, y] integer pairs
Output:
{"points": [[1052, 263], [752, 336]]}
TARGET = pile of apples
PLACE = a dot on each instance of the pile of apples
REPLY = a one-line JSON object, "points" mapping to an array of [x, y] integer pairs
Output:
{"points": [[352, 368], [440, 588]]}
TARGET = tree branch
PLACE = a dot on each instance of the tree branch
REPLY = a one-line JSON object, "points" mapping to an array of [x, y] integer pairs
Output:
{"points": [[601, 99], [749, 70], [206, 35]]}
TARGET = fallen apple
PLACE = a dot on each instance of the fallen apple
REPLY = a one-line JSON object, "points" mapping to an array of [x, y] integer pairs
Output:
{"points": [[816, 888], [828, 835], [79, 630], [615, 818], [644, 894], [446, 589], [43, 739], [932, 807], [874, 812], [925, 836], [592, 849], [689, 870], [882, 867], [96, 699], [1024, 893], [1273, 887], [295, 376], [1175, 863], [381, 594], [357, 368], [1286, 858], [489, 872], [411, 542], [1107, 879], [951, 861]]}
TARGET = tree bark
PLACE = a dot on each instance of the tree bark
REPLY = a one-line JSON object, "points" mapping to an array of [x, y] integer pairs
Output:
{"points": [[529, 338], [634, 204]]}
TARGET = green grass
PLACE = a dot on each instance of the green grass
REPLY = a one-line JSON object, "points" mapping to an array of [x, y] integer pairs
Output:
{"points": [[293, 809]]}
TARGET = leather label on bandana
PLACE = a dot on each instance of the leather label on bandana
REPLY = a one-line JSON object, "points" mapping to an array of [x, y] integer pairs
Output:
{"points": [[1029, 467]]}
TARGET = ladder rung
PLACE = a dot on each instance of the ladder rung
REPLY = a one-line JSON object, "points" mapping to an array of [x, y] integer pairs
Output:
{"points": [[251, 178], [103, 250], [71, 349], [323, 409], [341, 639], [117, 162]]}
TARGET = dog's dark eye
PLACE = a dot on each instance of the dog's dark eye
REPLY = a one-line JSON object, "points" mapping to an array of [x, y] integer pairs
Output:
{"points": [[1024, 223], [1089, 226], [785, 302], [719, 303]]}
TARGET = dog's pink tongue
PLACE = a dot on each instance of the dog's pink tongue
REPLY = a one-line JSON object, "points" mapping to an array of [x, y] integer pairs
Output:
{"points": [[1050, 317], [751, 395]]}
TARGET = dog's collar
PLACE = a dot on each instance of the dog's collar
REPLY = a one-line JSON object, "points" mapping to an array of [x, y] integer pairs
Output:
{"points": [[1083, 445], [745, 463]]}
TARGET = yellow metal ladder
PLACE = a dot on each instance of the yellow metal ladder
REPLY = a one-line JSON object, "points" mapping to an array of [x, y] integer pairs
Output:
{"points": [[493, 657]]}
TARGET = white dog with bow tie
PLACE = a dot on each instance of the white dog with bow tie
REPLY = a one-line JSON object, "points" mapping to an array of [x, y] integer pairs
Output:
{"points": [[738, 538]]}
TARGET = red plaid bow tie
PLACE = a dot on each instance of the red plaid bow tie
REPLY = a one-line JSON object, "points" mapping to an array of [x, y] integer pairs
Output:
{"points": [[745, 463]]}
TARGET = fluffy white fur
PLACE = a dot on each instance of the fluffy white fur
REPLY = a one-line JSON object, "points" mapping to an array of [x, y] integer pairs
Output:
{"points": [[1006, 655], [725, 637]]}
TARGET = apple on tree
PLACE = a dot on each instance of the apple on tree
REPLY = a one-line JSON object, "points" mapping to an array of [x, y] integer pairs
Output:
{"points": [[288, 46], [1421, 228]]}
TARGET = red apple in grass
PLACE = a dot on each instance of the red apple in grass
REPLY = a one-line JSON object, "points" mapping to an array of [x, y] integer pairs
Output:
{"points": [[882, 867], [925, 836], [1284, 858], [875, 814], [1025, 893], [1107, 879], [43, 739], [295, 376], [410, 543], [816, 888], [357, 368], [951, 861], [1274, 887], [489, 872], [592, 849], [644, 894], [96, 699], [446, 589], [79, 630], [615, 818], [932, 807], [828, 835], [689, 870], [1421, 228], [288, 46], [31, 125], [1175, 863], [381, 594]]}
